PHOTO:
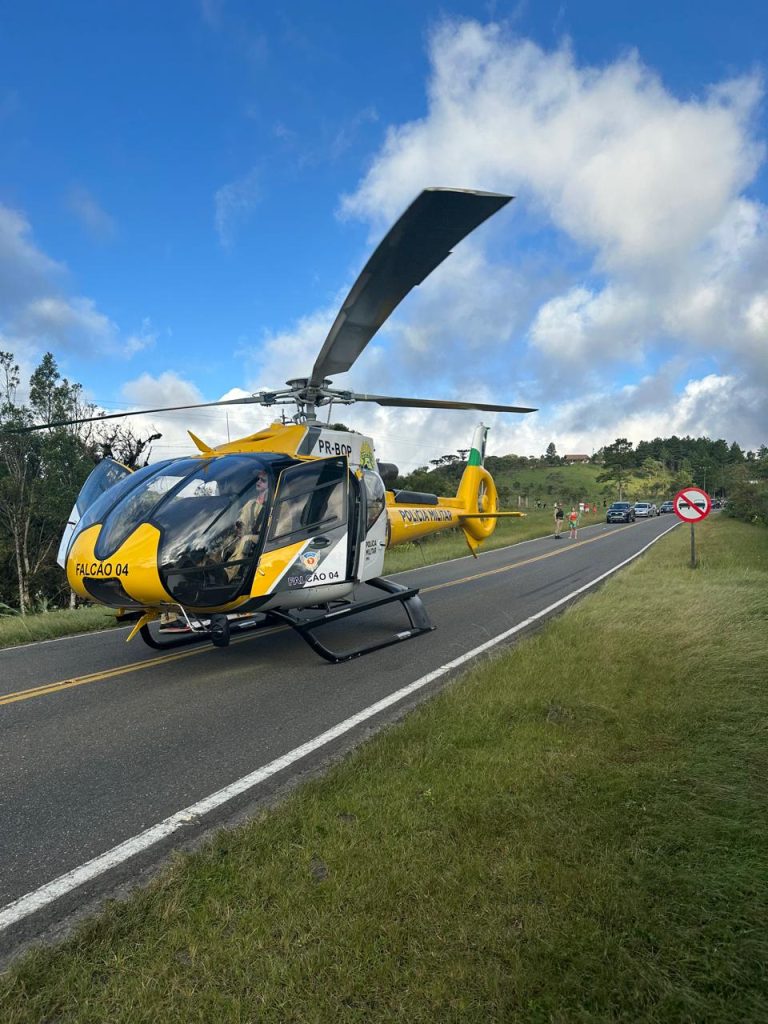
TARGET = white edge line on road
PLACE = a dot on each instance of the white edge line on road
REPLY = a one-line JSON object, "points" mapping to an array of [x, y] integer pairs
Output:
{"points": [[46, 894]]}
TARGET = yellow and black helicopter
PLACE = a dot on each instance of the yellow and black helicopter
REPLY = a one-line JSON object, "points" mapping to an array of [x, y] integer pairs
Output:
{"points": [[286, 524]]}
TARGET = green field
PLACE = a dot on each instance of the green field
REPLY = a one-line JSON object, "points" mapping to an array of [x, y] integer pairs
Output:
{"points": [[572, 832]]}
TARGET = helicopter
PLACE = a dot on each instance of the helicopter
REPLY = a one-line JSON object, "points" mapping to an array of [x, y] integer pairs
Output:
{"points": [[286, 524]]}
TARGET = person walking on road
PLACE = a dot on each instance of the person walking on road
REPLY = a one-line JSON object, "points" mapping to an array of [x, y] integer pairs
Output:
{"points": [[559, 517], [573, 522]]}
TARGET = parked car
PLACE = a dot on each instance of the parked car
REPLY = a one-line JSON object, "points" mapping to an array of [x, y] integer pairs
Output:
{"points": [[620, 512], [645, 509], [666, 506]]}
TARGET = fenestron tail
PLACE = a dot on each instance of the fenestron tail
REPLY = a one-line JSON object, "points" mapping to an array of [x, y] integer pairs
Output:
{"points": [[478, 495]]}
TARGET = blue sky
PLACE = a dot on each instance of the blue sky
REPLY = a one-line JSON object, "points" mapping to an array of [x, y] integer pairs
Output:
{"points": [[187, 190]]}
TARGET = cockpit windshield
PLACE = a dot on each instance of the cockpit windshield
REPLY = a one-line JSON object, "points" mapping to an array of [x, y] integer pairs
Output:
{"points": [[97, 510], [211, 524], [211, 515]]}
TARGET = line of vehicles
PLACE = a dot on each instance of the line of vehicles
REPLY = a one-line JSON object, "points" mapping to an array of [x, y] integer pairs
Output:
{"points": [[629, 512]]}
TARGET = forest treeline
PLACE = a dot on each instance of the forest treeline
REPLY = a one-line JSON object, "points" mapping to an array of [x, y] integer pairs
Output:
{"points": [[714, 465], [41, 473], [650, 470]]}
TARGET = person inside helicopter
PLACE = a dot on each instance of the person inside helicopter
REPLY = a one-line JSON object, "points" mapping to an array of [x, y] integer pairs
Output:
{"points": [[211, 526], [219, 555], [244, 536]]}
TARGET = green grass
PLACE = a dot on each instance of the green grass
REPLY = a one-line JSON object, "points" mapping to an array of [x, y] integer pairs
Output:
{"points": [[573, 832], [18, 629], [579, 483]]}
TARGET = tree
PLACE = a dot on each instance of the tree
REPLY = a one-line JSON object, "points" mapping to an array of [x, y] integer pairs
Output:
{"points": [[121, 444], [551, 454], [617, 461]]}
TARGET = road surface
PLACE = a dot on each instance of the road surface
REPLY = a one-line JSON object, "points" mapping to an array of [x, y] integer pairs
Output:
{"points": [[102, 742]]}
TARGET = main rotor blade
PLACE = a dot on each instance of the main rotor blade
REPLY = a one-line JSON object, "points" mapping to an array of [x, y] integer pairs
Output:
{"points": [[134, 412], [429, 403], [418, 242]]}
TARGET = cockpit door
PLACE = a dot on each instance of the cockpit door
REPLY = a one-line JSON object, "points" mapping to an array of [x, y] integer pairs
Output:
{"points": [[312, 508], [105, 475]]}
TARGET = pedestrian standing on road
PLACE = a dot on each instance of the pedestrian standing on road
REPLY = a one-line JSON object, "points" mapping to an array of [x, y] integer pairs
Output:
{"points": [[573, 522], [559, 517]]}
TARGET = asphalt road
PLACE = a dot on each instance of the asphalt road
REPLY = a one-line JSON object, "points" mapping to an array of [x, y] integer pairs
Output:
{"points": [[100, 741]]}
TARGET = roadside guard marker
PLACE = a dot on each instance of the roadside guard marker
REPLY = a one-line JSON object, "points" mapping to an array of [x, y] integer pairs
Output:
{"points": [[684, 504]]}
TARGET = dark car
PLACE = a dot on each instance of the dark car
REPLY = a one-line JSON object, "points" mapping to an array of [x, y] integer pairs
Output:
{"points": [[666, 506], [620, 512]]}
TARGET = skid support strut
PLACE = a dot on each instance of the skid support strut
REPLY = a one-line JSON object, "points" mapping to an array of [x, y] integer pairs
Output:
{"points": [[407, 597]]}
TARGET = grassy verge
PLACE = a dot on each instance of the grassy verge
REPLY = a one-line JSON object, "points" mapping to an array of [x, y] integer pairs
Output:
{"points": [[48, 625], [574, 832], [18, 629]]}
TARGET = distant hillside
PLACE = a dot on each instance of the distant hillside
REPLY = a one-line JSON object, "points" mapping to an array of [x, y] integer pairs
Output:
{"points": [[653, 470], [523, 486]]}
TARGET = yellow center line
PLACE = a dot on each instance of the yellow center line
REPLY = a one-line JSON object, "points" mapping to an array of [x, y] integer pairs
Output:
{"points": [[110, 673], [164, 659], [516, 565]]}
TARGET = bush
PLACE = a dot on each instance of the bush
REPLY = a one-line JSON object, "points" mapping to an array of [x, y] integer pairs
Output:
{"points": [[749, 502]]}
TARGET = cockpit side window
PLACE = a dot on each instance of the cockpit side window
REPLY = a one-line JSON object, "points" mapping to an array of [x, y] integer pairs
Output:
{"points": [[106, 474], [375, 495], [310, 498]]}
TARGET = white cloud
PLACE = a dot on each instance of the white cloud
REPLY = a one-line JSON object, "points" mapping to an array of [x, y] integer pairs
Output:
{"points": [[634, 200], [213, 425], [25, 271], [233, 204], [582, 325], [612, 158], [757, 318], [91, 215], [36, 311], [286, 354], [66, 322], [144, 338]]}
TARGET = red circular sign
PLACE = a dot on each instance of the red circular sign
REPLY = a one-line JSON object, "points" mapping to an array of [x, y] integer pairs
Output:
{"points": [[692, 504]]}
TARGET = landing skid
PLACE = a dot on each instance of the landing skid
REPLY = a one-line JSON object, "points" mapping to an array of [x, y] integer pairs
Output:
{"points": [[216, 632], [408, 598], [220, 627]]}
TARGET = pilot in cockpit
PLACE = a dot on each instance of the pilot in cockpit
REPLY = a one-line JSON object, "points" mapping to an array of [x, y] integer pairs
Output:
{"points": [[247, 528]]}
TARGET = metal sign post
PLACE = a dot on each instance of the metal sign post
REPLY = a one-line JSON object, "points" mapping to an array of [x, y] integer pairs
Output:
{"points": [[691, 505]]}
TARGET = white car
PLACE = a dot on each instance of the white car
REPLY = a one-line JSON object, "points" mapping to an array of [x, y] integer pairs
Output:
{"points": [[645, 510]]}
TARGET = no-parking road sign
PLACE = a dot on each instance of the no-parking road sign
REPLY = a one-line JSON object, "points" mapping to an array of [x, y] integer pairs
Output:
{"points": [[692, 504]]}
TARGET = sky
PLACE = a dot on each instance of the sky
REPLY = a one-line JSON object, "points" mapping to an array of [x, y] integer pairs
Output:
{"points": [[189, 189]]}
